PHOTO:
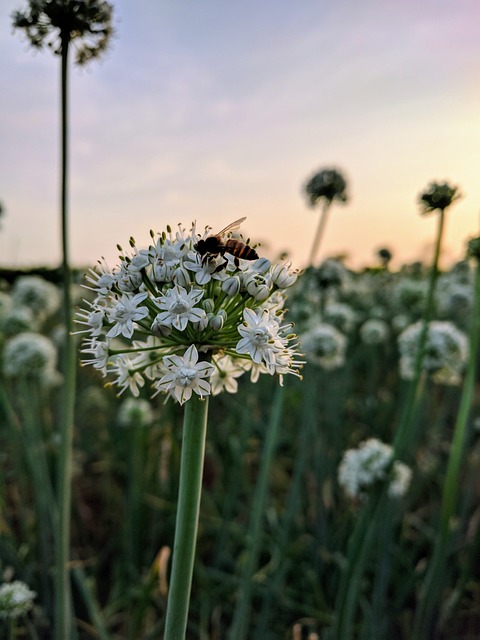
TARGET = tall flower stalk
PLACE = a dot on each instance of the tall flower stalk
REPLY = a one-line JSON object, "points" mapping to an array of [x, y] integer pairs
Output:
{"points": [[433, 581], [436, 197], [189, 325], [326, 186], [58, 24]]}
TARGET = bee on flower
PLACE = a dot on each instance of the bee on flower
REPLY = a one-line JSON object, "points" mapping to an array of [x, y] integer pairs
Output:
{"points": [[187, 315]]}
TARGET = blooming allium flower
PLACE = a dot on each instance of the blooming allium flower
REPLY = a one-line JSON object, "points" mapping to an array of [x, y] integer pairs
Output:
{"points": [[374, 331], [187, 324], [325, 346], [445, 354], [29, 355], [135, 412], [438, 195], [15, 599], [36, 293], [370, 462]]}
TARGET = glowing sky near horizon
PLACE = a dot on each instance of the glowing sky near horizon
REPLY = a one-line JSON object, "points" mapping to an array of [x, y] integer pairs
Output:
{"points": [[216, 110]]}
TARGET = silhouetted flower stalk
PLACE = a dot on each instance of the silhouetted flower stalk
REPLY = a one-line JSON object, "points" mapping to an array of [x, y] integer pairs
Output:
{"points": [[326, 186], [427, 609], [436, 197], [59, 24]]}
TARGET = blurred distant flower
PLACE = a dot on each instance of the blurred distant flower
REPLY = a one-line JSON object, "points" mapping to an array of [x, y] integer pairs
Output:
{"points": [[57, 22], [190, 333], [328, 185], [29, 355], [384, 255], [135, 412], [17, 320], [324, 346], [401, 475], [374, 331], [445, 353], [16, 599], [36, 293], [331, 273], [369, 463], [438, 196], [341, 315]]}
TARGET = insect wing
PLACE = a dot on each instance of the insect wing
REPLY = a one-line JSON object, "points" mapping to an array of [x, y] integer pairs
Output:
{"points": [[233, 226]]}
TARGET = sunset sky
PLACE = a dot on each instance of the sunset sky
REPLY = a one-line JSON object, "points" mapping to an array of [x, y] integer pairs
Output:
{"points": [[215, 110]]}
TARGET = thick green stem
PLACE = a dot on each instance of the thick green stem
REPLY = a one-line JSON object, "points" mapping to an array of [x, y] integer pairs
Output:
{"points": [[320, 230], [241, 616], [191, 470], [430, 591], [63, 613]]}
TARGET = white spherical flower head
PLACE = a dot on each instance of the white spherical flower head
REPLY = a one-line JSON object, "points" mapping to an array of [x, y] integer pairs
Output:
{"points": [[324, 346], [374, 331], [361, 467], [185, 376], [135, 412], [370, 462], [445, 353], [36, 293], [16, 599], [174, 302], [29, 355]]}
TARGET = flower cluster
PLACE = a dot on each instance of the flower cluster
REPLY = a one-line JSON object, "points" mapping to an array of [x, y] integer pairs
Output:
{"points": [[31, 355], [372, 461], [15, 599], [445, 352], [186, 322], [324, 346]]}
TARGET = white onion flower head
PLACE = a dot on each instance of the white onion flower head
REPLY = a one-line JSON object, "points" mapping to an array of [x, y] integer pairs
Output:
{"points": [[341, 316], [374, 331], [188, 323], [16, 599], [135, 412], [372, 462], [324, 346], [401, 476], [36, 293], [445, 354], [29, 355], [17, 320]]}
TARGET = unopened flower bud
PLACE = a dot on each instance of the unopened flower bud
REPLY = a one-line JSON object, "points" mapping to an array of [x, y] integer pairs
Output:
{"points": [[208, 305], [181, 277], [159, 329], [262, 265], [216, 323], [231, 286]]}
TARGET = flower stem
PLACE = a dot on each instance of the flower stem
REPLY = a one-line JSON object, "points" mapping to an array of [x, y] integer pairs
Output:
{"points": [[429, 592], [63, 613], [406, 426], [241, 616], [191, 470], [320, 230]]}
